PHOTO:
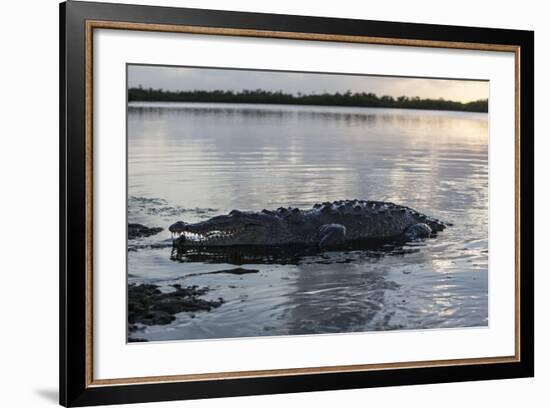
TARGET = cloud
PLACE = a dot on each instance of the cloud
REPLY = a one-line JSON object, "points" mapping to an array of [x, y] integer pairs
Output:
{"points": [[192, 78]]}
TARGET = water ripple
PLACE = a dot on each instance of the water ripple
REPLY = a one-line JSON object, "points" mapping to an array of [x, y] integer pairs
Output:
{"points": [[192, 162]]}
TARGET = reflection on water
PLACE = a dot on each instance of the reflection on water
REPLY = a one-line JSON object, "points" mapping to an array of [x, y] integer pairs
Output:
{"points": [[192, 161], [354, 251]]}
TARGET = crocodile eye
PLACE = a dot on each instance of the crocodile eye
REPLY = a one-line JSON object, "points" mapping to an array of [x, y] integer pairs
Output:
{"points": [[235, 212]]}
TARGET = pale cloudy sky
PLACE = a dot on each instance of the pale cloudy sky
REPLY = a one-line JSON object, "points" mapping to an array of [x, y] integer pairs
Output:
{"points": [[182, 78]]}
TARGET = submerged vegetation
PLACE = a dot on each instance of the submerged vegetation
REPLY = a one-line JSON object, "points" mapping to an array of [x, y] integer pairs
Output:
{"points": [[358, 99]]}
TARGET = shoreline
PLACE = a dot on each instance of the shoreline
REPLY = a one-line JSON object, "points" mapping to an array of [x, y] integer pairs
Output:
{"points": [[343, 99], [267, 104]]}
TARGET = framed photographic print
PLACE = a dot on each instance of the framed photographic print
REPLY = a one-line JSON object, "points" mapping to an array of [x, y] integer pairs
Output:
{"points": [[256, 203]]}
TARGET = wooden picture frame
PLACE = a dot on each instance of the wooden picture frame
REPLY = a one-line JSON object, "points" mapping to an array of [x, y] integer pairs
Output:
{"points": [[78, 20]]}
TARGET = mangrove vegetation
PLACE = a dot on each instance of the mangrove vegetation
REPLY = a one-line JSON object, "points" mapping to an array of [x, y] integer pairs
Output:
{"points": [[357, 99]]}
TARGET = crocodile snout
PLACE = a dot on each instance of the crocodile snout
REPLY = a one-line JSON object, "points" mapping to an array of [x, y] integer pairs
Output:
{"points": [[179, 226]]}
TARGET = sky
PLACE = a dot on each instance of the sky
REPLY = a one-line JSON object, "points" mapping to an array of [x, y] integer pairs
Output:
{"points": [[209, 79]]}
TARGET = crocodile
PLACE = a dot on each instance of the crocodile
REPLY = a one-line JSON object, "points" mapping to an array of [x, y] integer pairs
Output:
{"points": [[324, 225]]}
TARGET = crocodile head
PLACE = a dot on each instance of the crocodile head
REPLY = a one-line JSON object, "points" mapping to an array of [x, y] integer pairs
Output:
{"points": [[236, 228]]}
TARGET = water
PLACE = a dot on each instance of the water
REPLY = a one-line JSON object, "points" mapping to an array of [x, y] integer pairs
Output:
{"points": [[190, 161]]}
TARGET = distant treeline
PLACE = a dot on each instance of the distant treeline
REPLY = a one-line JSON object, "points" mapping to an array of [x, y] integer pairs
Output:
{"points": [[361, 99]]}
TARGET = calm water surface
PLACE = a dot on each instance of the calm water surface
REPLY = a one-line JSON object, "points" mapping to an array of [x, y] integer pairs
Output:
{"points": [[190, 161]]}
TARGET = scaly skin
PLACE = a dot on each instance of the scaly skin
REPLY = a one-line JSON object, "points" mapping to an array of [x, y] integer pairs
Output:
{"points": [[323, 225]]}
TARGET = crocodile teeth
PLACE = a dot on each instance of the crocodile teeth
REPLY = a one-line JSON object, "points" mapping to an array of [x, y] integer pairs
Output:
{"points": [[211, 236]]}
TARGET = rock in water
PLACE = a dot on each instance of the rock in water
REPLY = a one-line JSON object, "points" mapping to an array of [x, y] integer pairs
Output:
{"points": [[148, 305], [140, 231]]}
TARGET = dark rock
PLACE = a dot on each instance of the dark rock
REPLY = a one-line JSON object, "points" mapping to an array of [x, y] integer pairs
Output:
{"points": [[149, 306], [234, 271], [134, 328], [139, 231], [136, 340]]}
